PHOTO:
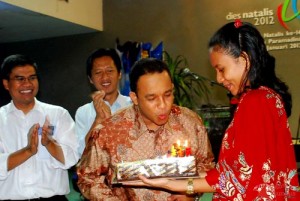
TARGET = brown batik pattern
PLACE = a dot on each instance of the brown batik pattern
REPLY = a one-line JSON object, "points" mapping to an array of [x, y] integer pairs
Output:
{"points": [[125, 137]]}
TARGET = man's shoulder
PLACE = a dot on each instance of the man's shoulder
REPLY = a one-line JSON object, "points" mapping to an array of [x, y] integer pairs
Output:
{"points": [[4, 108], [122, 116], [183, 111], [123, 97], [124, 100], [85, 107], [184, 115], [50, 107]]}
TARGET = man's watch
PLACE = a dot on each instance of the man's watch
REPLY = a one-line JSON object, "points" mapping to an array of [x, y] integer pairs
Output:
{"points": [[190, 187]]}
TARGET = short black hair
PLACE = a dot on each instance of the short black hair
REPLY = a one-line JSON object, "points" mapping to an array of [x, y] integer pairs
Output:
{"points": [[14, 61], [146, 66], [100, 53]]}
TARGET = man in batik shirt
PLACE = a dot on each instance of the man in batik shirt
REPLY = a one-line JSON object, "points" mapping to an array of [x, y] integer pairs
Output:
{"points": [[144, 131]]}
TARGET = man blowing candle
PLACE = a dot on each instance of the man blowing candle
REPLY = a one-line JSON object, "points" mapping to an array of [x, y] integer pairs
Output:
{"points": [[143, 131]]}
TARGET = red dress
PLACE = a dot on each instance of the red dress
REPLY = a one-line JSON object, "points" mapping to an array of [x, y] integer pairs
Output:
{"points": [[257, 160]]}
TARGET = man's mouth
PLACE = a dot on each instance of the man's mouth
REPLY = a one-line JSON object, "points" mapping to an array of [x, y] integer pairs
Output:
{"points": [[26, 91], [106, 84], [162, 116]]}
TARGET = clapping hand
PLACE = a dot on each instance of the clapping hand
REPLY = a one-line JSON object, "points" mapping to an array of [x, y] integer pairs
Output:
{"points": [[47, 133], [102, 110], [33, 140]]}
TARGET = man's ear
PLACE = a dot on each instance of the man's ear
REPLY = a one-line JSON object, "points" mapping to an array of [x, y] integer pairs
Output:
{"points": [[91, 81], [5, 84], [133, 97]]}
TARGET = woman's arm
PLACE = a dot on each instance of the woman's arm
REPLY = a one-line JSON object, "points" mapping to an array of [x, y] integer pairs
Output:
{"points": [[198, 185]]}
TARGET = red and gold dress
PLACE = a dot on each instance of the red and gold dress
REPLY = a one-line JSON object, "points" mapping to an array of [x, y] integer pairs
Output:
{"points": [[257, 160]]}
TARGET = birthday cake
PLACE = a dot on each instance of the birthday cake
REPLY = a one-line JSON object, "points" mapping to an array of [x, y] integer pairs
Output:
{"points": [[154, 168], [178, 162]]}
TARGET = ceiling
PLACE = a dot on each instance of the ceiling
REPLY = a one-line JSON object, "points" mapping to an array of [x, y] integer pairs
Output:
{"points": [[18, 24]]}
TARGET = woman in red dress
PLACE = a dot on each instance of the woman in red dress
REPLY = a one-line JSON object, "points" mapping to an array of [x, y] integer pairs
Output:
{"points": [[257, 160]]}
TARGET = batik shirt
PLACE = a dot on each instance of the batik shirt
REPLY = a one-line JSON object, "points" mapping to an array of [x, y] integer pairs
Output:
{"points": [[125, 137], [257, 160]]}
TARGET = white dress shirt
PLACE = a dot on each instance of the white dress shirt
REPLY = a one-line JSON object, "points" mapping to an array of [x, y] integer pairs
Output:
{"points": [[41, 175], [85, 116]]}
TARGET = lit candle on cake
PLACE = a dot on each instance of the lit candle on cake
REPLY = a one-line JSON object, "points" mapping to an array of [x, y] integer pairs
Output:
{"points": [[180, 151], [178, 143], [185, 143], [173, 151], [187, 149]]}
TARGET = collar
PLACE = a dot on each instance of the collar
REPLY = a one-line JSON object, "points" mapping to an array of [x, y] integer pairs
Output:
{"points": [[36, 107], [120, 100]]}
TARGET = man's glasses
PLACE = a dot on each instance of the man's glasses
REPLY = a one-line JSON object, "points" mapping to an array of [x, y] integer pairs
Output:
{"points": [[22, 79]]}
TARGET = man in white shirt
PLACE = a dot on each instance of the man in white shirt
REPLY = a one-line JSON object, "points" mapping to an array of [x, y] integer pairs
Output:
{"points": [[103, 68], [37, 140]]}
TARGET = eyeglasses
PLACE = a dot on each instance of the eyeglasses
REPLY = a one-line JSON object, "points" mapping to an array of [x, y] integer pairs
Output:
{"points": [[22, 79]]}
